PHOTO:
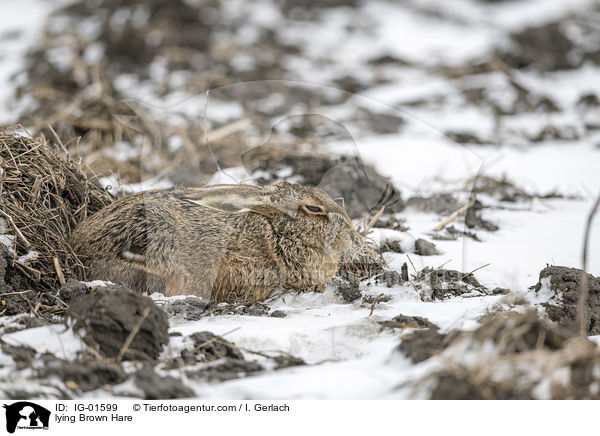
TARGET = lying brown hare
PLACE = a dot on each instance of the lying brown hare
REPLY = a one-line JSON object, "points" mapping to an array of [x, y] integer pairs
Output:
{"points": [[233, 243]]}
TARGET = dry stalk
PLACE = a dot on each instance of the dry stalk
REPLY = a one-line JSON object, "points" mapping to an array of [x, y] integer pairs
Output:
{"points": [[59, 273], [368, 225], [455, 214], [374, 303], [132, 334], [215, 339], [476, 269], [582, 303], [17, 230], [224, 131]]}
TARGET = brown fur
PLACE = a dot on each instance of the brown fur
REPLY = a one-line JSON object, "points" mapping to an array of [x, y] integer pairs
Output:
{"points": [[234, 243]]}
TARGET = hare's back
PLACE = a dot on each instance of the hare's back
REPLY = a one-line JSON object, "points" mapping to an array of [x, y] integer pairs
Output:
{"points": [[154, 223]]}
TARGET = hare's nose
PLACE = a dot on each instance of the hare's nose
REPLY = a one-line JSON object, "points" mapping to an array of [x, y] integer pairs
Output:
{"points": [[351, 225], [348, 222]]}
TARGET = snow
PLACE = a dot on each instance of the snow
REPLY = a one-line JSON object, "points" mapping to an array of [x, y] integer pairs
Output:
{"points": [[529, 236], [56, 339], [97, 283], [31, 255], [114, 186], [17, 35]]}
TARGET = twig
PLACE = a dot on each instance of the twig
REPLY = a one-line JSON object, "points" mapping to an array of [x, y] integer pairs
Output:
{"points": [[454, 215], [370, 224], [444, 264], [41, 144], [374, 303], [437, 268], [411, 262], [233, 346], [132, 334], [225, 130], [582, 303], [30, 272], [17, 231], [216, 338], [58, 269], [476, 269], [58, 140], [247, 350], [15, 292], [95, 353]]}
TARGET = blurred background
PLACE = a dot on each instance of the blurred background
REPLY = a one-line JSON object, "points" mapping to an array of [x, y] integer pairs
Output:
{"points": [[118, 73]]}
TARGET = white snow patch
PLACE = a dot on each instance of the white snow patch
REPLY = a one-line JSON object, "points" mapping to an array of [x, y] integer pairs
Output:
{"points": [[98, 284], [56, 339], [114, 186]]}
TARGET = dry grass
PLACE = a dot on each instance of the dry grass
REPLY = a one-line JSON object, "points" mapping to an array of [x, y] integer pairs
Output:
{"points": [[43, 196], [362, 259], [532, 357]]}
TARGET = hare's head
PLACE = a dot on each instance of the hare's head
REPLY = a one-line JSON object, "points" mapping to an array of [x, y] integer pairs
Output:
{"points": [[311, 215], [294, 211]]}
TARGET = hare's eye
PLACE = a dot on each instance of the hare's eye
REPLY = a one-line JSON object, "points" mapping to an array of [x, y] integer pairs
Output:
{"points": [[314, 209]]}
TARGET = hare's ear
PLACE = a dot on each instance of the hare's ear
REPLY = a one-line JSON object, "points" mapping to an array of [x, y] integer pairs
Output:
{"points": [[237, 204], [273, 210]]}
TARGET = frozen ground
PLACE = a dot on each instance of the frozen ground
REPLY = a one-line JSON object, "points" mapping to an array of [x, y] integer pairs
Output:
{"points": [[347, 352]]}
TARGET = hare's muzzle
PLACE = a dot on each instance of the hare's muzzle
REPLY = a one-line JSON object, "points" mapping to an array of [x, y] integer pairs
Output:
{"points": [[344, 239]]}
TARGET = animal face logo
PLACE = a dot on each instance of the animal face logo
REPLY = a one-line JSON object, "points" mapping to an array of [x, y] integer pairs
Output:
{"points": [[26, 415]]}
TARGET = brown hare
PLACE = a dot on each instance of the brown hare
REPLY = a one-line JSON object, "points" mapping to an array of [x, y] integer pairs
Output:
{"points": [[233, 243]]}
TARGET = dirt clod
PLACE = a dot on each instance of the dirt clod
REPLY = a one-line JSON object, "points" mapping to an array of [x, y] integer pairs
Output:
{"points": [[565, 282], [474, 220], [156, 387], [391, 245], [81, 375], [545, 48], [190, 308], [71, 290], [209, 347], [391, 278], [442, 204], [420, 345], [285, 361], [407, 321], [425, 248], [444, 283], [519, 342], [22, 355], [458, 384], [106, 318], [15, 287], [348, 288], [226, 369]]}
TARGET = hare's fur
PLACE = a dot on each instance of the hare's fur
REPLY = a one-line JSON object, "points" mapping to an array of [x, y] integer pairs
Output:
{"points": [[234, 243]]}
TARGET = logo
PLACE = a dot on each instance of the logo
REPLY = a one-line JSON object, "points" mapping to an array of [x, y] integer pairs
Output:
{"points": [[26, 415]]}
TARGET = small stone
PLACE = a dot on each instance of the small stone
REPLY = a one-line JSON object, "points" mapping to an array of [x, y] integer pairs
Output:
{"points": [[390, 245], [425, 248]]}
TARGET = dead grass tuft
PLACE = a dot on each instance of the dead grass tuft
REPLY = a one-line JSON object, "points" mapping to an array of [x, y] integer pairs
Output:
{"points": [[43, 196]]}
